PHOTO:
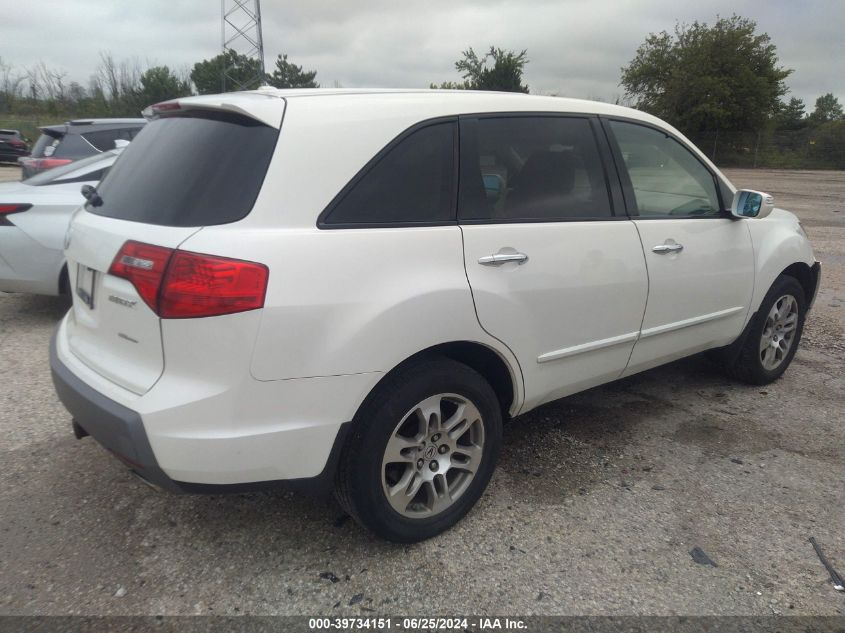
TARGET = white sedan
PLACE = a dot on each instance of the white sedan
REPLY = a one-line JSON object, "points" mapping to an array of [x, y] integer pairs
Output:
{"points": [[34, 216]]}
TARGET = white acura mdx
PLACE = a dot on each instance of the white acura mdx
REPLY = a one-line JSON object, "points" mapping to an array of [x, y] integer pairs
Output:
{"points": [[351, 290]]}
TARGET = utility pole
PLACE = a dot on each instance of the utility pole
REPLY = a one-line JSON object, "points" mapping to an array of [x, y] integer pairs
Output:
{"points": [[241, 34]]}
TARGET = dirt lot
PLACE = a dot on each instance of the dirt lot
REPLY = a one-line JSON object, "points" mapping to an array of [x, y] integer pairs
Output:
{"points": [[597, 503], [8, 172]]}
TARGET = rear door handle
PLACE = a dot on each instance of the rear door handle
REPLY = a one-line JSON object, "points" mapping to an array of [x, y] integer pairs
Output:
{"points": [[662, 249], [501, 258]]}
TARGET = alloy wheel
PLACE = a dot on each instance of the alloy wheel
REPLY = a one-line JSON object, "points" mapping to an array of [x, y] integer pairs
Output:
{"points": [[779, 332], [432, 455]]}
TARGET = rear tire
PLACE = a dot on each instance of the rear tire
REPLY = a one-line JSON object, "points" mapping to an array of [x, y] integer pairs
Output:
{"points": [[421, 452], [774, 335]]}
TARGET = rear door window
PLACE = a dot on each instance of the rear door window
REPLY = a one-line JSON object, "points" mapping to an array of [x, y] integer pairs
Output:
{"points": [[192, 169], [411, 183], [532, 168]]}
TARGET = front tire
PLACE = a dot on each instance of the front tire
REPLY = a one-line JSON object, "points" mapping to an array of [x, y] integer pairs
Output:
{"points": [[773, 336], [421, 452]]}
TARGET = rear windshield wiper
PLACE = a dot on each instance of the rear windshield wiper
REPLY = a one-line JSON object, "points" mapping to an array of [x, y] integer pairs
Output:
{"points": [[91, 195]]}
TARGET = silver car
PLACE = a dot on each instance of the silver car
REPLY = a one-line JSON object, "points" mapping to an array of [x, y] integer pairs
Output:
{"points": [[34, 216]]}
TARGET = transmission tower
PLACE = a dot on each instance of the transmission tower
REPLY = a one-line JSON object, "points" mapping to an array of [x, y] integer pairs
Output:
{"points": [[241, 33]]}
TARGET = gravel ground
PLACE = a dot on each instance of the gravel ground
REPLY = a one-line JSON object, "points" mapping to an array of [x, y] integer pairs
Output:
{"points": [[596, 506], [8, 172]]}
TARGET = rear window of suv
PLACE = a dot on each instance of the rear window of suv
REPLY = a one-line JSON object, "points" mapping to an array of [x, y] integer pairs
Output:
{"points": [[193, 169]]}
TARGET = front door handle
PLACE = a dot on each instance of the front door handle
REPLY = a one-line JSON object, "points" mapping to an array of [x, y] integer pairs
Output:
{"points": [[662, 249], [502, 258]]}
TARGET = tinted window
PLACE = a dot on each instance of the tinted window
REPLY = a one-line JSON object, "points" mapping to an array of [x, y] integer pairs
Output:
{"points": [[189, 170], [104, 140], [668, 179], [44, 141], [411, 182], [70, 146], [532, 168]]}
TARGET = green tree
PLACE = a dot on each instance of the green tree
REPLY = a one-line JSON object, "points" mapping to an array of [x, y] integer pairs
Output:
{"points": [[160, 84], [827, 109], [244, 71], [706, 79], [497, 70], [827, 144], [791, 116], [289, 75]]}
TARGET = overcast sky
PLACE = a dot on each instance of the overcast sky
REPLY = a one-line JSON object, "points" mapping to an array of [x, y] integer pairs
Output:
{"points": [[575, 47]]}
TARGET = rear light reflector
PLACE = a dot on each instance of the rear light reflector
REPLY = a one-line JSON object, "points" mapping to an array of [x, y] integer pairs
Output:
{"points": [[9, 209], [183, 285], [16, 143]]}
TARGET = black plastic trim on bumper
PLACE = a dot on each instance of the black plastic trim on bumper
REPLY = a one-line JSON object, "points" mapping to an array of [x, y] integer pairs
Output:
{"points": [[121, 431], [816, 273]]}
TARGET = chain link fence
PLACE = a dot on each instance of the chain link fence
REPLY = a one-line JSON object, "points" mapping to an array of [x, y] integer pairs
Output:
{"points": [[821, 147]]}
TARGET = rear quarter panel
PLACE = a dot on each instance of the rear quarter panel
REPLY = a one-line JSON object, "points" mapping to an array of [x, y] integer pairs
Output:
{"points": [[353, 301]]}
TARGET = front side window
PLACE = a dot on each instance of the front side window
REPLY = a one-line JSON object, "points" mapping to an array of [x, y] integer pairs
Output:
{"points": [[532, 168], [410, 183], [668, 180]]}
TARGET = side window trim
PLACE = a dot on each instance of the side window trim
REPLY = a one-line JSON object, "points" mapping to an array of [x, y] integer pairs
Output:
{"points": [[323, 219], [625, 179], [468, 124]]}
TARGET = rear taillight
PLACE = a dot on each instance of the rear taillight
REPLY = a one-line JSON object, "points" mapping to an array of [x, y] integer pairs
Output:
{"points": [[201, 285], [9, 209], [144, 266], [180, 284], [16, 143], [43, 164]]}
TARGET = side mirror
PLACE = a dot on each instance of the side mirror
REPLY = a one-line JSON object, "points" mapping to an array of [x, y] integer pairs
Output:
{"points": [[751, 204]]}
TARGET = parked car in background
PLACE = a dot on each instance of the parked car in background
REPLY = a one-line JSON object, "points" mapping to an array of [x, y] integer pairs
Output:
{"points": [[62, 144], [34, 216], [12, 146], [355, 298]]}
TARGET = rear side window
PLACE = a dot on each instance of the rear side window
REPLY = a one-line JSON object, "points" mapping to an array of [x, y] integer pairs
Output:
{"points": [[532, 168], [411, 183], [194, 169]]}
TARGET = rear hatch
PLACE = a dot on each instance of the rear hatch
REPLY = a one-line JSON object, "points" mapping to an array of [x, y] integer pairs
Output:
{"points": [[190, 169]]}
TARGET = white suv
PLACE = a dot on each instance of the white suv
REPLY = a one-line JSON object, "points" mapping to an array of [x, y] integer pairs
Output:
{"points": [[352, 289]]}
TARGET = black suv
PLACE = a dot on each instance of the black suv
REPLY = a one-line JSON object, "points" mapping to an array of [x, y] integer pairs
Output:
{"points": [[12, 146], [63, 144]]}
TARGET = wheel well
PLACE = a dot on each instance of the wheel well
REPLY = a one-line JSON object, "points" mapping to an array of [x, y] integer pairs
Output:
{"points": [[802, 273], [480, 358], [64, 282]]}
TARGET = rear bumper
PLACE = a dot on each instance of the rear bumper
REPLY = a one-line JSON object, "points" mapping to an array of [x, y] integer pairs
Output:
{"points": [[117, 428], [121, 430]]}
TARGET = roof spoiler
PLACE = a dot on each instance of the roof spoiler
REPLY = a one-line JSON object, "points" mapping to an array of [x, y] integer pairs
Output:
{"points": [[263, 108]]}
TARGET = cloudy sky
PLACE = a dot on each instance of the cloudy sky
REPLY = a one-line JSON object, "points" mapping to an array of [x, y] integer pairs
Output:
{"points": [[575, 47]]}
